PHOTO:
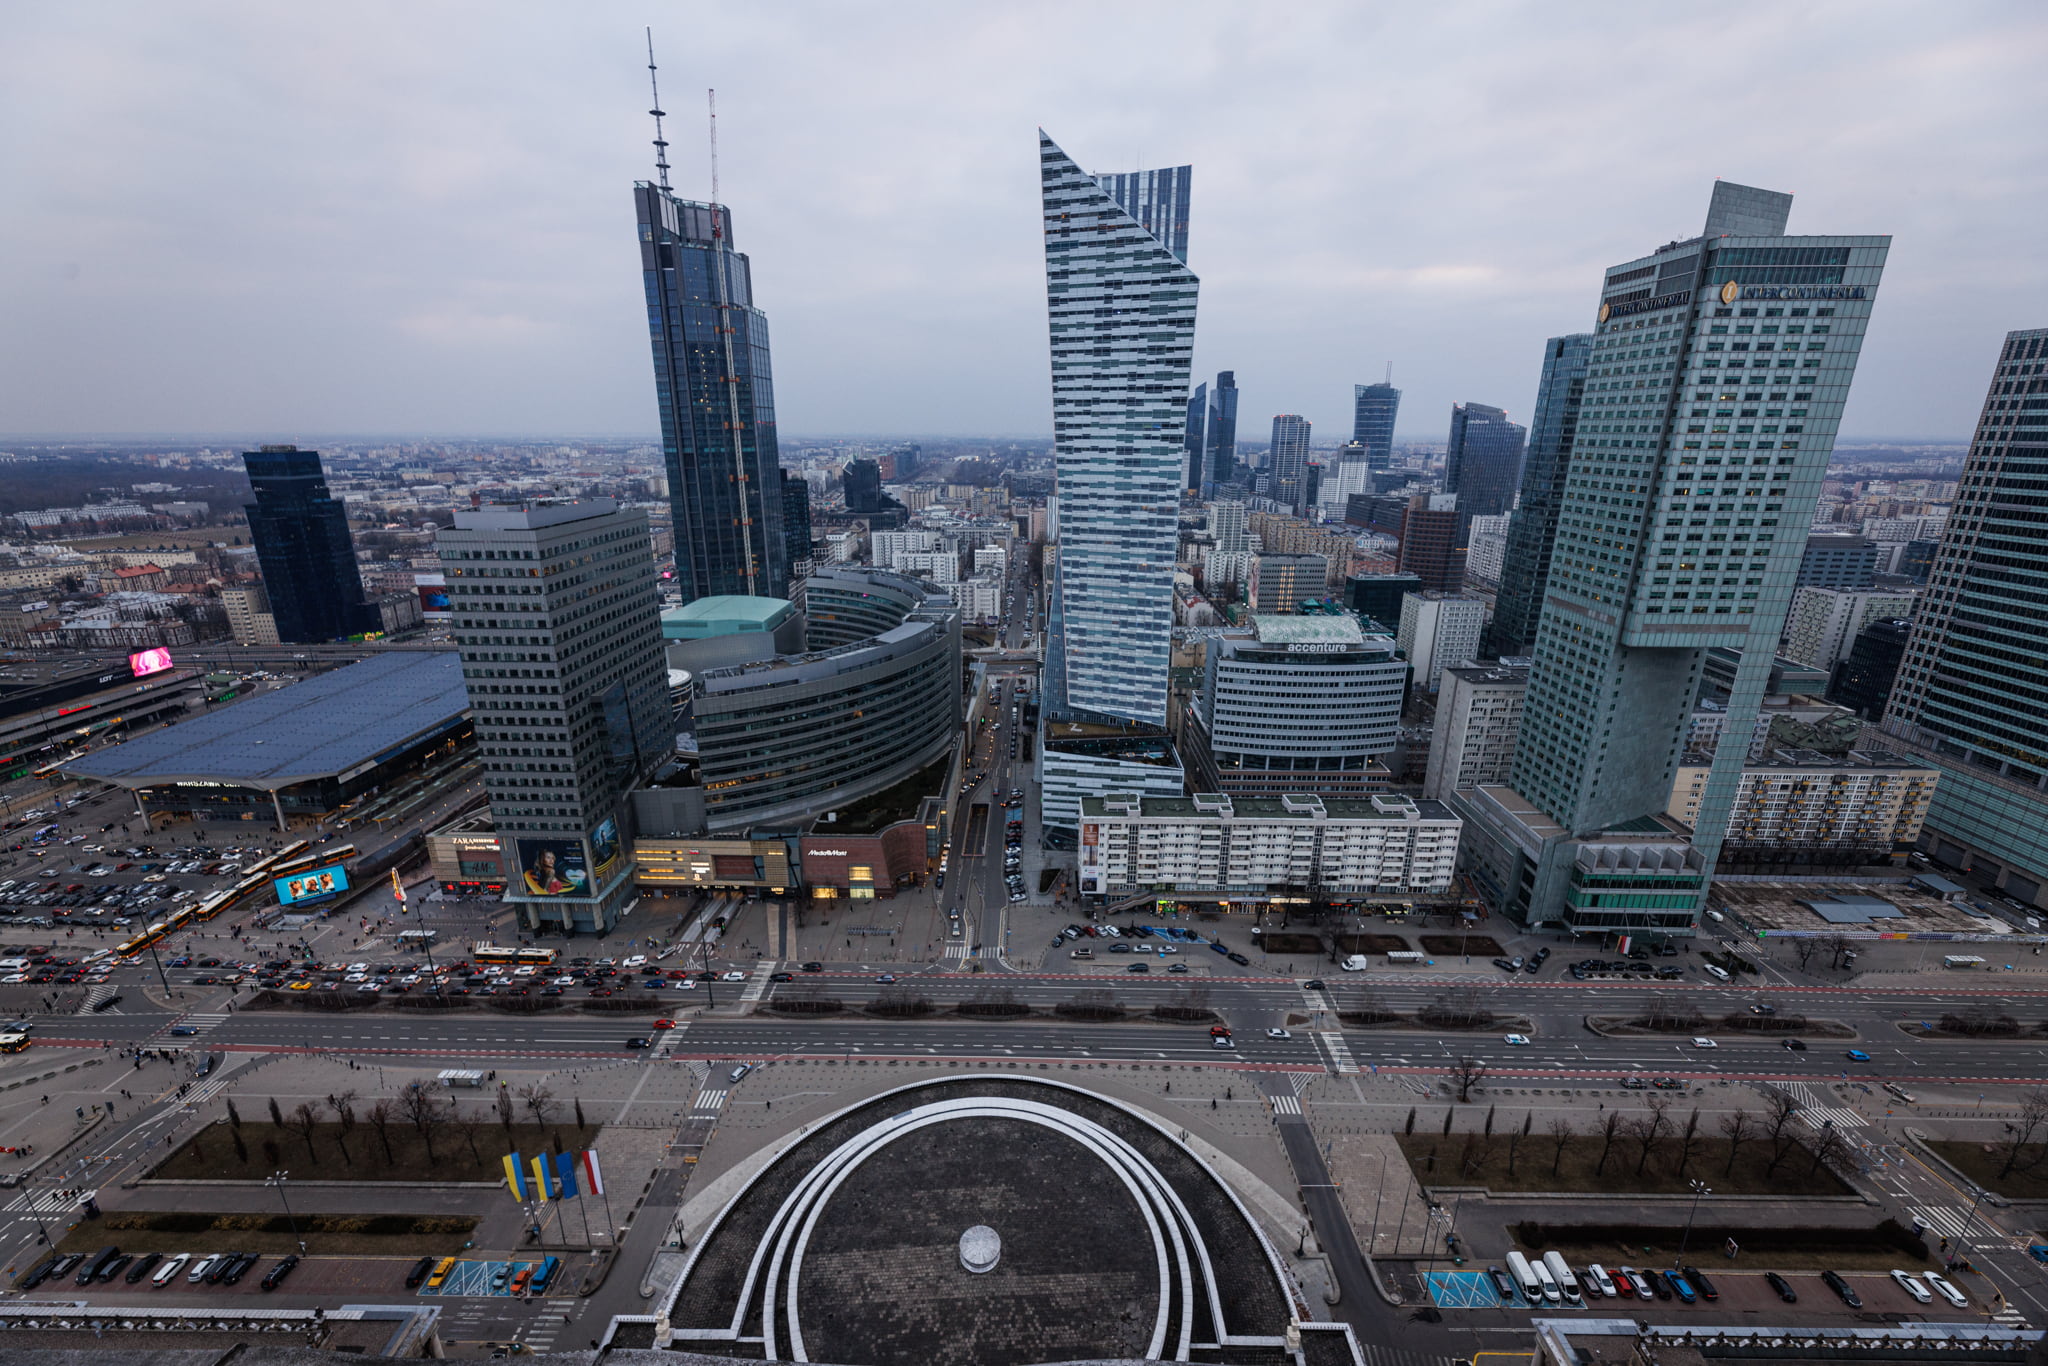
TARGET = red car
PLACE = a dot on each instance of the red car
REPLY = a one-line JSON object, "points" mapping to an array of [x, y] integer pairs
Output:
{"points": [[664, 1024]]}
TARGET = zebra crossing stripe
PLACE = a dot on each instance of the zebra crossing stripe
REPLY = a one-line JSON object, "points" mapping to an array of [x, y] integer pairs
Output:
{"points": [[1944, 1220], [709, 1100], [1285, 1105]]}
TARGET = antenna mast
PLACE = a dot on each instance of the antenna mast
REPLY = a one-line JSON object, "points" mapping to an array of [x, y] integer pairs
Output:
{"points": [[712, 97], [660, 143]]}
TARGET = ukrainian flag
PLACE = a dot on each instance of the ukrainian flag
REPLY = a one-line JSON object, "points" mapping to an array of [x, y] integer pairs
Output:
{"points": [[540, 1178], [515, 1177]]}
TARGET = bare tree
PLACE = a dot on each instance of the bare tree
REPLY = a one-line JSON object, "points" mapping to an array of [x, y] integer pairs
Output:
{"points": [[381, 1116], [470, 1126], [1610, 1124], [1737, 1126], [1466, 1073], [276, 1115], [505, 1111], [1488, 1130], [1647, 1129], [2027, 1123], [1804, 949], [1688, 1142], [424, 1110], [1828, 1149], [1839, 947], [305, 1121], [1561, 1135], [1779, 1109], [536, 1098], [1515, 1137]]}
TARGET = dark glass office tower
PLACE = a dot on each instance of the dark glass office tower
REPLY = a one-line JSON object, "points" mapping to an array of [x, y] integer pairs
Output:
{"points": [[861, 481], [1222, 433], [300, 531], [1374, 408], [1526, 565], [1862, 679], [796, 518], [1483, 461], [1289, 460], [1198, 425], [715, 389], [1972, 693]]}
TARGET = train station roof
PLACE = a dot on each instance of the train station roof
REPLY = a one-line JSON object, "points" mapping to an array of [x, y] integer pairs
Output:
{"points": [[334, 724]]}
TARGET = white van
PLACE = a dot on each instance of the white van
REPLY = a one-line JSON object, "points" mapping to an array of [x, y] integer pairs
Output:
{"points": [[1525, 1278], [1715, 971], [1551, 1293], [1355, 963], [1567, 1284], [1599, 1280]]}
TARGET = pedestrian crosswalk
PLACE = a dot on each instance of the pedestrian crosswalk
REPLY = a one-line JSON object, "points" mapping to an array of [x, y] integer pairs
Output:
{"points": [[1337, 1051], [2011, 1318], [1817, 1112], [710, 1099], [44, 1202], [1945, 1220], [757, 986], [95, 995], [1285, 1105], [201, 1022], [1378, 1354], [957, 950], [208, 1089]]}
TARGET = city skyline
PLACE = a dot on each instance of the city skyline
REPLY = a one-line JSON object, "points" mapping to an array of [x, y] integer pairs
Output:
{"points": [[435, 319]]}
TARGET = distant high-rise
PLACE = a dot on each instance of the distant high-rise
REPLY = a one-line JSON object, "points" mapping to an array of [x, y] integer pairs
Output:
{"points": [[1972, 693], [1862, 679], [303, 547], [1430, 547], [1121, 305], [796, 518], [1374, 408], [559, 627], [1196, 445], [1288, 462], [1221, 435], [1533, 531], [1483, 461], [861, 483], [713, 385], [1678, 533]]}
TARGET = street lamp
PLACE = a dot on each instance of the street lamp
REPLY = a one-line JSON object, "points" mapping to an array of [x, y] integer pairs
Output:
{"points": [[1699, 1188], [279, 1182]]}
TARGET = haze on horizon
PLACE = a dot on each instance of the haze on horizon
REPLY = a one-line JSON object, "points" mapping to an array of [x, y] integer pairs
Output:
{"points": [[237, 218]]}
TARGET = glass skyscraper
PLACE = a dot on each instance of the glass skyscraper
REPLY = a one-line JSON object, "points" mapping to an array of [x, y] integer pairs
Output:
{"points": [[1971, 695], [1716, 381], [715, 390], [1158, 200], [1373, 410], [1196, 442], [1221, 436], [1483, 461], [1121, 306], [1526, 563], [1288, 462], [304, 549]]}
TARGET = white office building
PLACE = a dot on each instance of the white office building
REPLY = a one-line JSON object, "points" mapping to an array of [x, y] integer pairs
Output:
{"points": [[1478, 716], [1439, 630], [1824, 622]]}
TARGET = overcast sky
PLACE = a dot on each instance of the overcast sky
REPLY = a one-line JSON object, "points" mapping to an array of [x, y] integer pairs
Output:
{"points": [[293, 220]]}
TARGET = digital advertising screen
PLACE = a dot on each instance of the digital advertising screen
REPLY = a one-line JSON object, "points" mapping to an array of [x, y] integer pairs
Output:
{"points": [[312, 885], [604, 848], [552, 868], [143, 663]]}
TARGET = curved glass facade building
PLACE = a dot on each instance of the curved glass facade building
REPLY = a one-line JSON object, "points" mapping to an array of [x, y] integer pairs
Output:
{"points": [[843, 606]]}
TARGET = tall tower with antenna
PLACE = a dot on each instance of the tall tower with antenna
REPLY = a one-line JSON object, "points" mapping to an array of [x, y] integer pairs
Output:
{"points": [[713, 386]]}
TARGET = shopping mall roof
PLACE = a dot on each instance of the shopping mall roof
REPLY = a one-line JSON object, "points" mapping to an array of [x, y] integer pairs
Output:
{"points": [[323, 727], [724, 614]]}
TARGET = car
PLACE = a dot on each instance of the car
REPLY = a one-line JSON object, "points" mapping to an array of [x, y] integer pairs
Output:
{"points": [[1763, 1008], [421, 1269], [1701, 1282], [738, 1072], [1912, 1286], [1639, 1283], [814, 967], [1222, 1041], [1239, 959], [1139, 967], [1278, 1034], [1113, 948], [182, 1031], [1659, 1285], [1834, 1281], [1704, 1043], [502, 1276], [1315, 984], [731, 976], [275, 1276], [782, 977], [886, 978], [1668, 1084], [1519, 1040], [1505, 965], [1625, 1283], [1597, 1277], [1795, 1045], [639, 1041], [1858, 1055], [1946, 1289], [1782, 1286], [1177, 967], [243, 1265], [143, 1266], [1634, 1084], [203, 1268], [1503, 1285], [664, 1024], [114, 1267]]}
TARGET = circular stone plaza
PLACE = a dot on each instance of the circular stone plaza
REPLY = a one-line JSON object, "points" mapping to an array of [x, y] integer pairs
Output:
{"points": [[981, 1220]]}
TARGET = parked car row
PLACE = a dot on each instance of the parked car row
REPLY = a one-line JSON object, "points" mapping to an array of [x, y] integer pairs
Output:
{"points": [[101, 1267], [1550, 1280]]}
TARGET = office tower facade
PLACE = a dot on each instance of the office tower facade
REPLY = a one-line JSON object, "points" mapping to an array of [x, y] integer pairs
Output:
{"points": [[303, 547], [1306, 705], [1478, 717], [715, 391], [1280, 583], [1525, 564], [1835, 559], [1158, 200], [1347, 476], [1680, 531], [1221, 433], [1373, 410], [796, 520], [1377, 597], [1862, 679], [1118, 420], [1430, 548], [556, 617], [1972, 693], [1438, 630], [860, 482], [1486, 549], [1287, 462], [1195, 444], [1227, 525], [1483, 461], [1823, 622]]}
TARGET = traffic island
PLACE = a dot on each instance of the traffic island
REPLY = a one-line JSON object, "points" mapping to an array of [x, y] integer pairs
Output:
{"points": [[1682, 1019]]}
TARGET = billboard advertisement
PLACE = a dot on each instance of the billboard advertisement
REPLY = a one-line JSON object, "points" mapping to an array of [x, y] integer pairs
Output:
{"points": [[433, 593], [143, 663], [315, 884], [552, 868], [604, 848]]}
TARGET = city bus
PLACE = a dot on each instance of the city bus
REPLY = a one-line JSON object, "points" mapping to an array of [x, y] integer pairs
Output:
{"points": [[498, 953], [13, 1043]]}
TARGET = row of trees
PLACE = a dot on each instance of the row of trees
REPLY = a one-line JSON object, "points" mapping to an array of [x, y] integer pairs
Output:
{"points": [[342, 1119]]}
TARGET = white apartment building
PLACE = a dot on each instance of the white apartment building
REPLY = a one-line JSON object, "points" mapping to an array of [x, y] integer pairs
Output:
{"points": [[980, 598], [1478, 717], [1438, 630], [1824, 622], [1802, 807], [887, 545], [941, 566], [991, 559], [1253, 849], [249, 618], [1486, 548]]}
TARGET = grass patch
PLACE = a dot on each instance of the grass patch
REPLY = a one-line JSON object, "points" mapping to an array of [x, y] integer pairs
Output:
{"points": [[1779, 1248], [372, 1235], [1371, 943], [1290, 941], [1985, 1163], [443, 1153], [1474, 1159], [1485, 945]]}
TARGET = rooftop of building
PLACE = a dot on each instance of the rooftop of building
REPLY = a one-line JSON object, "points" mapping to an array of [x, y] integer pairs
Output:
{"points": [[1305, 806], [724, 614], [1892, 907], [1788, 757], [873, 814], [1273, 629], [1500, 671], [531, 516], [356, 715]]}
